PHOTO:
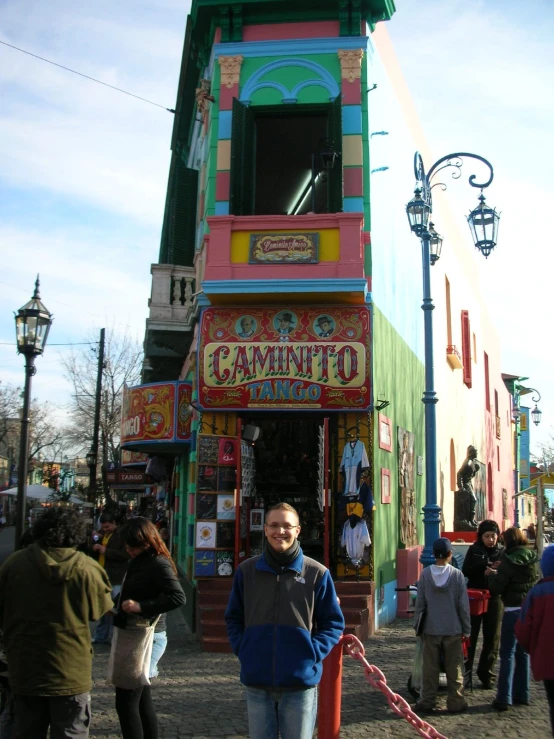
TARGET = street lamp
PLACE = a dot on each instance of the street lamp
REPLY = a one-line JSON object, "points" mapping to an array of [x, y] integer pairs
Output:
{"points": [[32, 324], [91, 464], [483, 223]]}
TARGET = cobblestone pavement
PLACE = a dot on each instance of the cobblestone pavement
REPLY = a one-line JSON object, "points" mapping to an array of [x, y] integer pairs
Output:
{"points": [[198, 695]]}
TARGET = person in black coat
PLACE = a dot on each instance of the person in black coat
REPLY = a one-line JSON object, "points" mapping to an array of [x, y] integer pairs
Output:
{"points": [[150, 588], [482, 557]]}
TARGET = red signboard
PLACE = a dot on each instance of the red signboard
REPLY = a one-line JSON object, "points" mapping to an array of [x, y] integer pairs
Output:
{"points": [[312, 358], [156, 413]]}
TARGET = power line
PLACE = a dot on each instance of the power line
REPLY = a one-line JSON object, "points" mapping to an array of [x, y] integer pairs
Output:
{"points": [[86, 76], [73, 343]]}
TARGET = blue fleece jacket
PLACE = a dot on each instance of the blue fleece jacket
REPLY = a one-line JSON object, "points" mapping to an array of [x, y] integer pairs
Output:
{"points": [[281, 626]]}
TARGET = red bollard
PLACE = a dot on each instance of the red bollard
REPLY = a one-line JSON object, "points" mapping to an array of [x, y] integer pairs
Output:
{"points": [[330, 695]]}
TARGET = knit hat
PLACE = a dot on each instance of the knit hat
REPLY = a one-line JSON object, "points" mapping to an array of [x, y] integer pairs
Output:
{"points": [[487, 525], [547, 561], [442, 547]]}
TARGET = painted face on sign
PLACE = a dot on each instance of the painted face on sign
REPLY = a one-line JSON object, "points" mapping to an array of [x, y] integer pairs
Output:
{"points": [[246, 324]]}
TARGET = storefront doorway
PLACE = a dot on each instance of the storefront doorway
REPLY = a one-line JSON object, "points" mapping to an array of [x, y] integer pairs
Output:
{"points": [[288, 458]]}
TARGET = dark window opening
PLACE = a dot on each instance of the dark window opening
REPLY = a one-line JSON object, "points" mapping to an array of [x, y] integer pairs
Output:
{"points": [[276, 162]]}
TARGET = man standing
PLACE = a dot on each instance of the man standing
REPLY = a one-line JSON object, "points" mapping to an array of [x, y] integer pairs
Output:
{"points": [[48, 594], [443, 602], [113, 557], [283, 619]]}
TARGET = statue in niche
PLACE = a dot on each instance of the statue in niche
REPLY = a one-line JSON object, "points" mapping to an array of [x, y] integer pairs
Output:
{"points": [[465, 500]]}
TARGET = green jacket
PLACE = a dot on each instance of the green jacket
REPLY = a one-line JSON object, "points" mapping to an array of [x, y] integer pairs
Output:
{"points": [[47, 598], [516, 575]]}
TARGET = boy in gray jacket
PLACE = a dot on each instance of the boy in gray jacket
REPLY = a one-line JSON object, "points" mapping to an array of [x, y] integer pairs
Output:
{"points": [[442, 597]]}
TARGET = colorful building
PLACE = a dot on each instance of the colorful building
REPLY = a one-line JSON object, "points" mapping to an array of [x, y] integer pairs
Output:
{"points": [[285, 331]]}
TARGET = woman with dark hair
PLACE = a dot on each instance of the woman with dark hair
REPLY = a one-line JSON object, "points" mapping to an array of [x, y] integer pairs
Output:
{"points": [[481, 558], [150, 588], [512, 580]]}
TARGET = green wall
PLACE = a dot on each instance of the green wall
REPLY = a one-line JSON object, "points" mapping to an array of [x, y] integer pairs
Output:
{"points": [[398, 376]]}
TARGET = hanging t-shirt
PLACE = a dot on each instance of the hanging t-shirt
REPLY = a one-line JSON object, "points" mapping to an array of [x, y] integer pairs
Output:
{"points": [[354, 460], [355, 539]]}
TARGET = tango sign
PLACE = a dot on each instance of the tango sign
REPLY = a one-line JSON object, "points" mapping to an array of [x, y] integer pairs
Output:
{"points": [[256, 359]]}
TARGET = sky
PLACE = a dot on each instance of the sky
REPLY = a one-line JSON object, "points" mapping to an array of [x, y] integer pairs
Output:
{"points": [[83, 168]]}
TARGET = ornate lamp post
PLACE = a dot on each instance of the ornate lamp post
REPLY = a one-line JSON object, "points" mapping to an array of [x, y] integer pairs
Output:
{"points": [[536, 415], [483, 223], [32, 324]]}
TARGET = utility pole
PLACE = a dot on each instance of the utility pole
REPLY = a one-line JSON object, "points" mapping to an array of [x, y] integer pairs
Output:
{"points": [[92, 457]]}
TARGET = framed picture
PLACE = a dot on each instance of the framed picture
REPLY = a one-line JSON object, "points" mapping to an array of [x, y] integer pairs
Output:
{"points": [[224, 562], [206, 505], [204, 564], [225, 535], [226, 507], [207, 478], [226, 479], [227, 451], [205, 535], [208, 449], [385, 433], [257, 519], [385, 485]]}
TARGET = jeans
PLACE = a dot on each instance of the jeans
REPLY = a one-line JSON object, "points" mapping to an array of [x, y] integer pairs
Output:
{"points": [[66, 715], [513, 675], [104, 627], [158, 649], [290, 714]]}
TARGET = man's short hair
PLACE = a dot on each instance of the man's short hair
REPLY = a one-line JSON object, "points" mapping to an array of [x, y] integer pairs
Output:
{"points": [[60, 527], [107, 517], [282, 507]]}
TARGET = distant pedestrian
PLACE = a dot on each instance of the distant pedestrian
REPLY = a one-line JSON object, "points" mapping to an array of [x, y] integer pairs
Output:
{"points": [[113, 557], [482, 557], [443, 603], [534, 628], [283, 619], [48, 593], [512, 580], [151, 588]]}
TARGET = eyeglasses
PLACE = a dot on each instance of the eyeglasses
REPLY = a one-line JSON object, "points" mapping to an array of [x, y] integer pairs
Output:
{"points": [[285, 526]]}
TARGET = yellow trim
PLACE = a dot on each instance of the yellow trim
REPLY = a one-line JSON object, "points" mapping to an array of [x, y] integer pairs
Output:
{"points": [[329, 244], [223, 154], [352, 153]]}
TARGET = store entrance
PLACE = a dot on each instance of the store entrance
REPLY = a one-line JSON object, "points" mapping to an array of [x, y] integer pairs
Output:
{"points": [[288, 457]]}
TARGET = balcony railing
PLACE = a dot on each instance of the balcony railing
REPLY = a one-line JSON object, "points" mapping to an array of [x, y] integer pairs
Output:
{"points": [[453, 357], [173, 298]]}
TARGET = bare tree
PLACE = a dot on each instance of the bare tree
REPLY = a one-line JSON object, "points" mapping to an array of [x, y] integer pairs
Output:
{"points": [[122, 365]]}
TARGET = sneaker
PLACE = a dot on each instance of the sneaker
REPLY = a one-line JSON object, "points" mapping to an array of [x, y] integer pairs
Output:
{"points": [[499, 706], [517, 702]]}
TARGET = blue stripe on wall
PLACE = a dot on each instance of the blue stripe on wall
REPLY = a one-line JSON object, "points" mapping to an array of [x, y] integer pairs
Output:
{"points": [[225, 118], [222, 208], [351, 119], [353, 205]]}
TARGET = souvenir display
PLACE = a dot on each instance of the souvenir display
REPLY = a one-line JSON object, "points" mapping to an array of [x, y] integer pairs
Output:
{"points": [[207, 478], [354, 460], [225, 535], [208, 449], [226, 479], [227, 451], [248, 470]]}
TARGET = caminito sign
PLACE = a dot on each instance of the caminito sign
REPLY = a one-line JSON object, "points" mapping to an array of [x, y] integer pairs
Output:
{"points": [[284, 358]]}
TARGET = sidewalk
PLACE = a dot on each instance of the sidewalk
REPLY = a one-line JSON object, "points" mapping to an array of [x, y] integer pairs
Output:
{"points": [[198, 695]]}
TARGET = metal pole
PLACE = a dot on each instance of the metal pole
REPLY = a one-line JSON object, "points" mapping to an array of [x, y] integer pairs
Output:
{"points": [[516, 474], [23, 452], [431, 510], [539, 541], [98, 400]]}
